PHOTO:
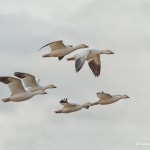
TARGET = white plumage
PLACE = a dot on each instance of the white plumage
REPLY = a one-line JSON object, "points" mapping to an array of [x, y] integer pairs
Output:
{"points": [[105, 98], [18, 93], [71, 107], [93, 58], [59, 49], [30, 82]]}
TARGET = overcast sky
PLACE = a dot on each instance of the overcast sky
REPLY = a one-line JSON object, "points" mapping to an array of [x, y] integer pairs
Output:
{"points": [[121, 26]]}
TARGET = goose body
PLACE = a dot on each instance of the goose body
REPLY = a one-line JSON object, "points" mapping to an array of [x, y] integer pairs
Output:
{"points": [[30, 82], [58, 49], [18, 93], [105, 98], [93, 58], [71, 107]]}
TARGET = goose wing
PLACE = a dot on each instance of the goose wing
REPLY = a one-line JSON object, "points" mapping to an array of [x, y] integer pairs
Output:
{"points": [[65, 103], [28, 79], [101, 95], [80, 60], [95, 65], [15, 85], [56, 45]]}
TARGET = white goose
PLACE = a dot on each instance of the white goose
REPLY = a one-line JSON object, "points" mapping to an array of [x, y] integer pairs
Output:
{"points": [[70, 107], [18, 93], [31, 83], [58, 49], [105, 98], [93, 58]]}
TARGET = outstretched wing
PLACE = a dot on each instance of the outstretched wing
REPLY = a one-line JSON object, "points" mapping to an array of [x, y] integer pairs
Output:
{"points": [[102, 95], [28, 79], [81, 60], [95, 65], [14, 84], [56, 45]]}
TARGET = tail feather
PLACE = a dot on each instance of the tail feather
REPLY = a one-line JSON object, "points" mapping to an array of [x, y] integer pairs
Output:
{"points": [[58, 111], [6, 100], [47, 55]]}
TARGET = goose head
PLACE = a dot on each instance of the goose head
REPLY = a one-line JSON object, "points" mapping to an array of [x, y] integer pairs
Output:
{"points": [[125, 96], [51, 86], [86, 105], [106, 51], [83, 46]]}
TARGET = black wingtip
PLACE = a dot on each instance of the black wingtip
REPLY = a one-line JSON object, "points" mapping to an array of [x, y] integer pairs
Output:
{"points": [[44, 46], [19, 74], [95, 68], [16, 73], [5, 80], [65, 100], [78, 65]]}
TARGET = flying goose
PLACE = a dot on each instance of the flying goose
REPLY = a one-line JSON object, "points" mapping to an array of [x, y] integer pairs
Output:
{"points": [[71, 107], [18, 93], [93, 58], [105, 98], [31, 83], [58, 49]]}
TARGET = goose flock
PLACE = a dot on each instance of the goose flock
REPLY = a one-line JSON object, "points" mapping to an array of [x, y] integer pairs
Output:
{"points": [[24, 86]]}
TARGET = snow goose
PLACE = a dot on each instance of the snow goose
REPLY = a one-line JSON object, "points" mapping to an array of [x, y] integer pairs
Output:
{"points": [[105, 98], [31, 83], [18, 93], [71, 107], [93, 58], [58, 49]]}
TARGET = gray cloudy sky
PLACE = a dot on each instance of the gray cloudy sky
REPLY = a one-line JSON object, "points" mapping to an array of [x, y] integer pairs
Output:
{"points": [[123, 27]]}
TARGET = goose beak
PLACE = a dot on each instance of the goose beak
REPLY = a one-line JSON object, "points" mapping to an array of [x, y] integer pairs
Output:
{"points": [[112, 53], [54, 87], [86, 46], [128, 97]]}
